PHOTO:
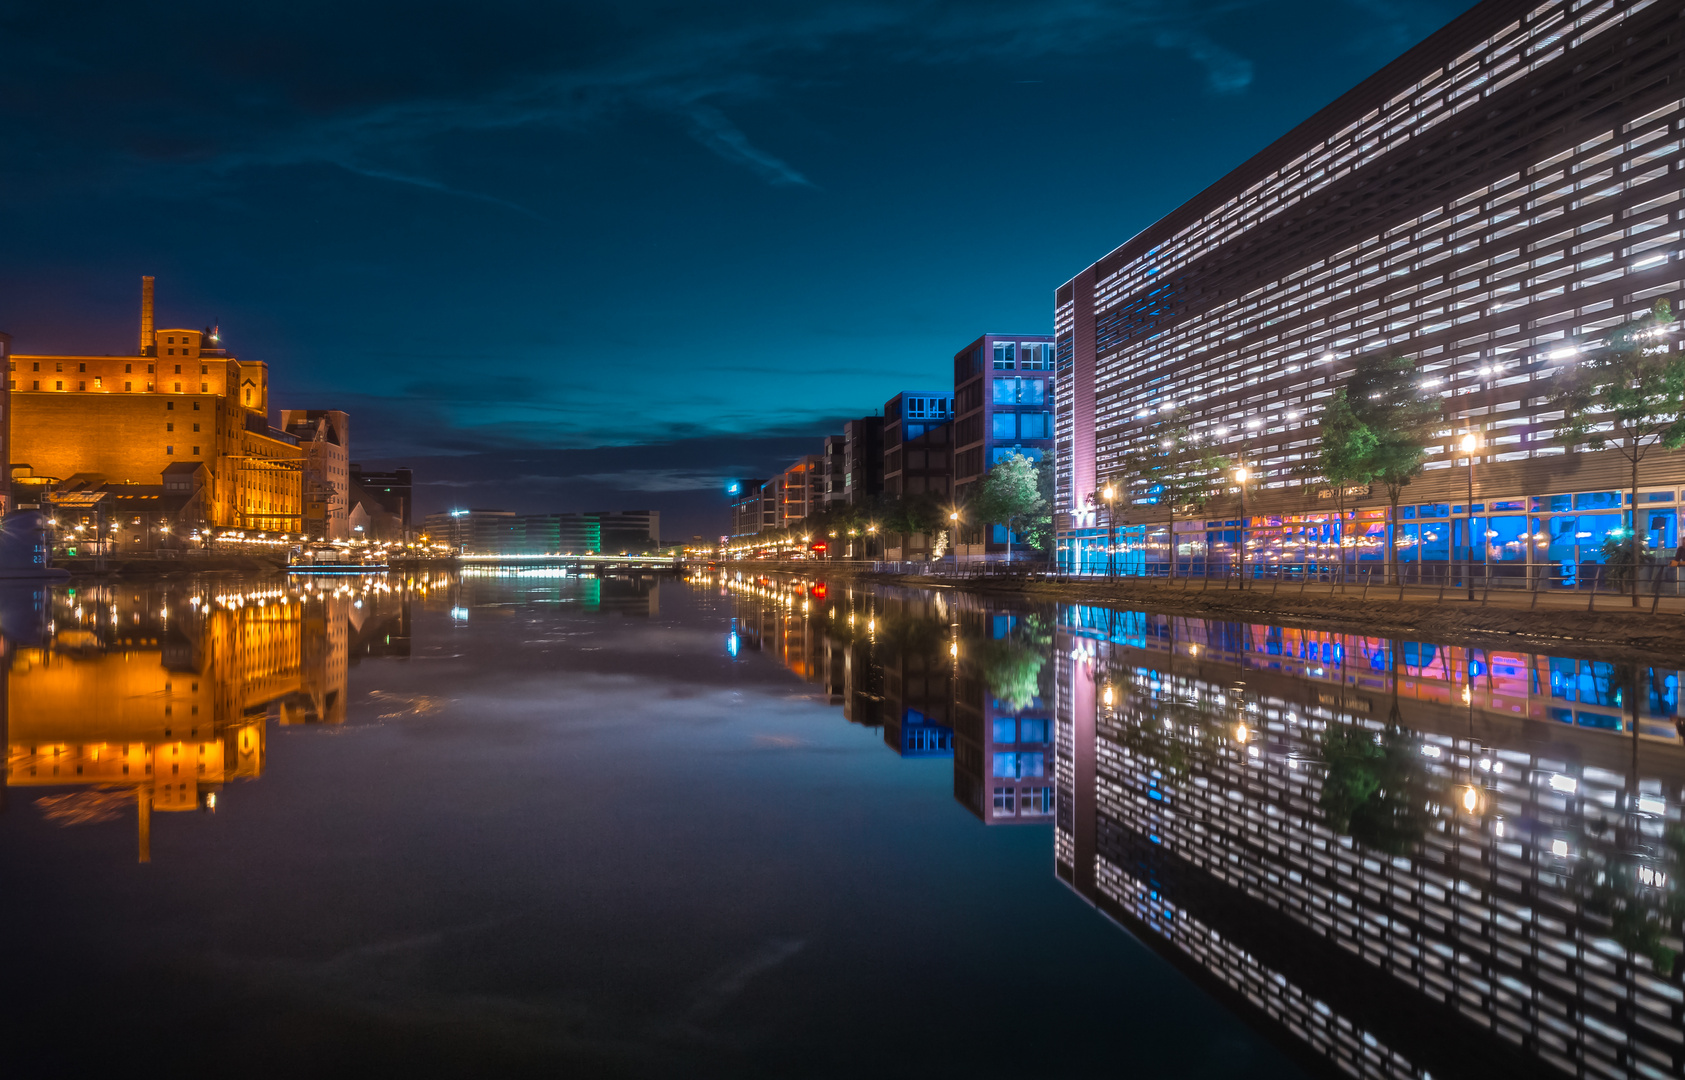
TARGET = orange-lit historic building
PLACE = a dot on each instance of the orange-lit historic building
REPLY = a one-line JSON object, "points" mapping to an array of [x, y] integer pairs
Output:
{"points": [[180, 416]]}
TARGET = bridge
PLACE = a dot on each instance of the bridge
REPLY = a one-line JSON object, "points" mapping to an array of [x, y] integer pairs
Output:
{"points": [[571, 563]]}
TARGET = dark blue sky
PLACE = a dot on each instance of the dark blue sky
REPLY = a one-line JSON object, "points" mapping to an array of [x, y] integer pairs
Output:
{"points": [[565, 256]]}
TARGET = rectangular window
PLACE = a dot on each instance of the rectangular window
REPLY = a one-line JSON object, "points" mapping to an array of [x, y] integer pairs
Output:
{"points": [[172, 352], [128, 369], [1031, 764], [1006, 765], [1003, 800], [169, 427], [195, 427], [1003, 425], [1033, 730], [169, 449], [128, 386], [195, 451], [1031, 393], [58, 384], [169, 405], [82, 368], [204, 369], [99, 381], [195, 408], [1004, 353], [178, 368], [178, 388], [36, 385], [37, 365], [1006, 392], [1005, 730], [204, 388], [1034, 425], [149, 369]]}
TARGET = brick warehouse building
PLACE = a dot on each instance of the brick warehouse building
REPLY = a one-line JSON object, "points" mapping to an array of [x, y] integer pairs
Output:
{"points": [[179, 411], [1489, 205]]}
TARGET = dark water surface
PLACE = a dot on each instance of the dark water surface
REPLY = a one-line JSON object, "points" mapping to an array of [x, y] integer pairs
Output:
{"points": [[745, 827]]}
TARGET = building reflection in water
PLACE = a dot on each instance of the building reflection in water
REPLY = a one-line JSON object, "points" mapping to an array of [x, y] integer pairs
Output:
{"points": [[939, 674], [1406, 859], [154, 697]]}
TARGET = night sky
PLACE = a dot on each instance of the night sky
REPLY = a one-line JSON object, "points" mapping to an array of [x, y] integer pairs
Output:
{"points": [[598, 256]]}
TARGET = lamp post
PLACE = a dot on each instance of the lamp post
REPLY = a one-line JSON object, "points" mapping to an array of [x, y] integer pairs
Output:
{"points": [[1110, 495], [1470, 444], [953, 541], [1241, 475]]}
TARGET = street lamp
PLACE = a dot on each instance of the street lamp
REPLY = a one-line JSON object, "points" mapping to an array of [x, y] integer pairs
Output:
{"points": [[1471, 443], [1241, 475], [1110, 494]]}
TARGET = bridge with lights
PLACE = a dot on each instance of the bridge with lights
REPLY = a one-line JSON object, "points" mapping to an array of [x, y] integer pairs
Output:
{"points": [[570, 563]]}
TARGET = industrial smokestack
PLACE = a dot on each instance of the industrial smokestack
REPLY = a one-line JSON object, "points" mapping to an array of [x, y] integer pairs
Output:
{"points": [[148, 339]]}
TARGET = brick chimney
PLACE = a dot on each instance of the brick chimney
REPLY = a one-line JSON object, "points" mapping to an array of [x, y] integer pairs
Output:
{"points": [[148, 339]]}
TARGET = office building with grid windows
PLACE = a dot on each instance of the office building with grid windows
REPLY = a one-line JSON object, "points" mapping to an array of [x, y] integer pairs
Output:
{"points": [[1001, 407], [1490, 205]]}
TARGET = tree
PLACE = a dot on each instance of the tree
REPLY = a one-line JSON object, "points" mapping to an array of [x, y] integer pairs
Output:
{"points": [[1629, 395], [1176, 471], [1384, 396], [1039, 532], [912, 514], [1346, 457], [1010, 495]]}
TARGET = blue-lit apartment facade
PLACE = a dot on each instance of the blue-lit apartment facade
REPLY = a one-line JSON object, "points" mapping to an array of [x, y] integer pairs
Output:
{"points": [[1490, 205], [1002, 405]]}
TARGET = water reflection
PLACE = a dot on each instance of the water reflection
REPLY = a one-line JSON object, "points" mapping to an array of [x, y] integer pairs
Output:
{"points": [[1288, 815], [153, 698], [1401, 859], [941, 675]]}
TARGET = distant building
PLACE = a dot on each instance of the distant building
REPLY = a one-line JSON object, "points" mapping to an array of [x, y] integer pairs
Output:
{"points": [[863, 460], [833, 471], [325, 435], [909, 465], [630, 531], [475, 532], [504, 532], [386, 500], [122, 421], [747, 518], [1002, 405], [917, 461], [1003, 748]]}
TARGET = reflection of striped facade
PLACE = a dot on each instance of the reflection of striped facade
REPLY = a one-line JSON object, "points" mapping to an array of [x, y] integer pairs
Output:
{"points": [[1193, 762], [1490, 205]]}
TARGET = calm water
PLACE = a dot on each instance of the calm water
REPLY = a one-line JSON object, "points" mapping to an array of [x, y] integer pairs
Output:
{"points": [[757, 827]]}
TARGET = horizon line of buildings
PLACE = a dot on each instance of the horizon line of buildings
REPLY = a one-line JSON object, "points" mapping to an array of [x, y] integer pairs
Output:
{"points": [[173, 443], [937, 443]]}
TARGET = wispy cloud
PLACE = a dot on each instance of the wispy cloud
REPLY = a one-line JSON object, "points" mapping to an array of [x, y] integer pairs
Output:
{"points": [[565, 68]]}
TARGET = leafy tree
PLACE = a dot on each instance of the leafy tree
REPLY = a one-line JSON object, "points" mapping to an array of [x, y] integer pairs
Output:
{"points": [[1383, 396], [1010, 495], [1346, 456], [1039, 532], [1628, 395], [909, 515], [1175, 469]]}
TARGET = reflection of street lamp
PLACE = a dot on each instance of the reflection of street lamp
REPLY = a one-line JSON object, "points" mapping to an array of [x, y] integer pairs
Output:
{"points": [[1471, 443], [1241, 475]]}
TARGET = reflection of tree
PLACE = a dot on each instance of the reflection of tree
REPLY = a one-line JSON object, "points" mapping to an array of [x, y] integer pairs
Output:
{"points": [[1012, 666], [1642, 901], [1372, 791]]}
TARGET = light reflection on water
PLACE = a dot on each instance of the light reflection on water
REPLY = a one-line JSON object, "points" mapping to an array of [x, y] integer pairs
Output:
{"points": [[1390, 858], [1486, 842]]}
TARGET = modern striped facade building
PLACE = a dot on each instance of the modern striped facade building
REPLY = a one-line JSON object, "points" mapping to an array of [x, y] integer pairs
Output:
{"points": [[1490, 205]]}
